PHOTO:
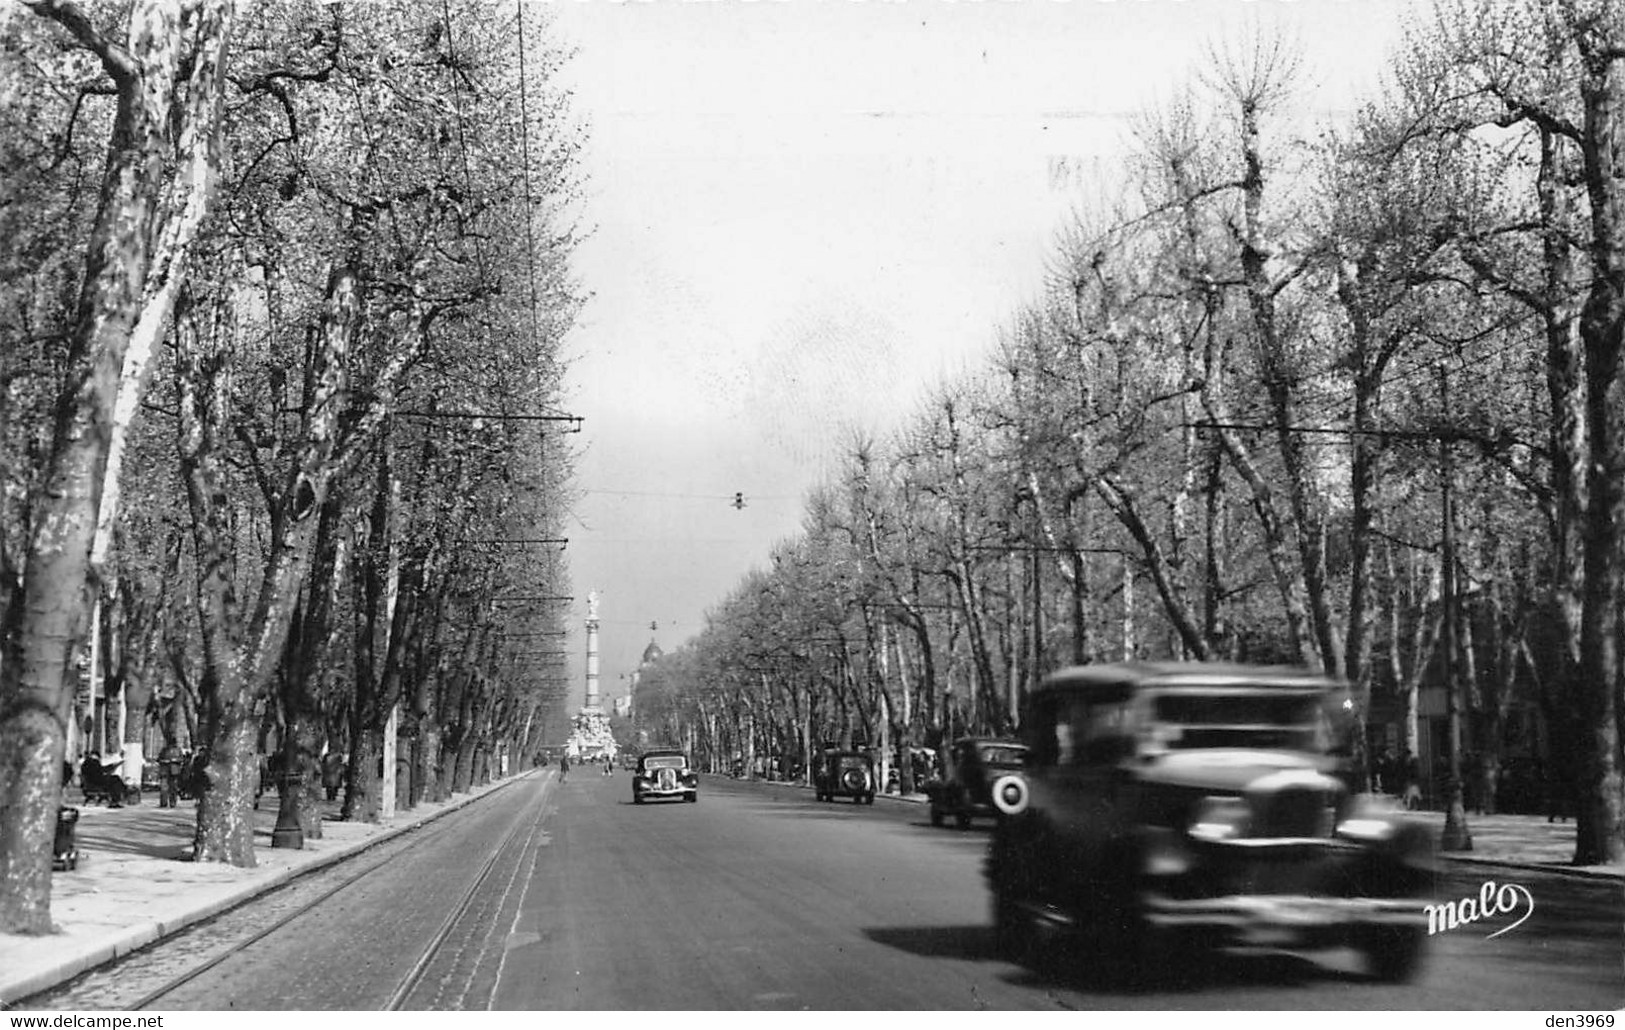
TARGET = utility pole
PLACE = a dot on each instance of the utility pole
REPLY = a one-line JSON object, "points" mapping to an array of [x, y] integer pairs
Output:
{"points": [[1037, 560], [1456, 836]]}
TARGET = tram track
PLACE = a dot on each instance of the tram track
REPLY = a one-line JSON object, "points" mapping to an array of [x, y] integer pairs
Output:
{"points": [[173, 972], [409, 983]]}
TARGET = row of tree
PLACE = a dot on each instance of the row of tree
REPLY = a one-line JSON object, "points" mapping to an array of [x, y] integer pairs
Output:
{"points": [[1349, 399], [280, 325]]}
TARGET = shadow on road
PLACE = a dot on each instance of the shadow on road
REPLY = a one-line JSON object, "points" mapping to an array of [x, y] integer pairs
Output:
{"points": [[974, 943], [1072, 967]]}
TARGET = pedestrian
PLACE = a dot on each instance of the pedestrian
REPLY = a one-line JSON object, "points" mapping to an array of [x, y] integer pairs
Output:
{"points": [[1411, 773], [564, 768], [332, 774], [170, 767], [90, 774], [1472, 796], [262, 778], [197, 775], [113, 779]]}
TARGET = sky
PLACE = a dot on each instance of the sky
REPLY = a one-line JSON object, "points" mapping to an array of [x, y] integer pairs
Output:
{"points": [[804, 214]]}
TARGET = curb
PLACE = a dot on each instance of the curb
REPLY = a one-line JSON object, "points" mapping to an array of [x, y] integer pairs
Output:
{"points": [[787, 785], [1541, 867], [143, 934]]}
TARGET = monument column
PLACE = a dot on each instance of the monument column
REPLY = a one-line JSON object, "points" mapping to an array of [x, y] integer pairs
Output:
{"points": [[592, 653]]}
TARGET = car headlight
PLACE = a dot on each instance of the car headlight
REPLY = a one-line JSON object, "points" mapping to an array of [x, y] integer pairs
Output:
{"points": [[1220, 819], [1167, 855], [1368, 819], [1366, 828]]}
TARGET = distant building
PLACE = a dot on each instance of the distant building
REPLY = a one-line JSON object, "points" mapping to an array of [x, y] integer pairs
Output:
{"points": [[651, 654]]}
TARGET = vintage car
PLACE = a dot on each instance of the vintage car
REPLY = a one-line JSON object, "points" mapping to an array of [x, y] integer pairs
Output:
{"points": [[975, 764], [845, 774], [664, 773], [1166, 808]]}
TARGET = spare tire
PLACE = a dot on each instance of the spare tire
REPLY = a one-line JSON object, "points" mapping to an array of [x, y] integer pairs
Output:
{"points": [[1010, 794], [853, 780]]}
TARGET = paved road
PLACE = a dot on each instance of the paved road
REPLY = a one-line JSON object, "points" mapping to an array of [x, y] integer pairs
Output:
{"points": [[758, 897]]}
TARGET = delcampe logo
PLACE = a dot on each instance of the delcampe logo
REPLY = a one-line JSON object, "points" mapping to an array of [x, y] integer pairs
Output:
{"points": [[1492, 900]]}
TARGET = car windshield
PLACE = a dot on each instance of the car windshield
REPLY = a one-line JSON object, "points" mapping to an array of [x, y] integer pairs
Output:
{"points": [[664, 762], [854, 762], [997, 755], [1261, 719]]}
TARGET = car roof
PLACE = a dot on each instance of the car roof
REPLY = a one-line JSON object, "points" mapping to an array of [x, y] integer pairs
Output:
{"points": [[1115, 677], [1001, 741], [664, 752]]}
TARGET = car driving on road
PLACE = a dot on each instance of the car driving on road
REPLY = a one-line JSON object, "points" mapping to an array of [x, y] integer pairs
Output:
{"points": [[845, 774], [1168, 808], [975, 765], [664, 773]]}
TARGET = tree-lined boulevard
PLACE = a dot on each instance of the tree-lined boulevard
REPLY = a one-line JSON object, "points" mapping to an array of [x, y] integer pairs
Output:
{"points": [[287, 469]]}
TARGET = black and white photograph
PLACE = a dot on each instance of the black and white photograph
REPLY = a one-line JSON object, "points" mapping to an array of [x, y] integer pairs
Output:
{"points": [[708, 508]]}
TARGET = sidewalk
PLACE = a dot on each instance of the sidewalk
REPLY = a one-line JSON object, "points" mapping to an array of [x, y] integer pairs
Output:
{"points": [[136, 884], [1528, 841]]}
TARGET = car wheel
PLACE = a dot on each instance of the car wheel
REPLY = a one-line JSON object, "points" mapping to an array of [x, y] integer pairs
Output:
{"points": [[936, 816], [693, 797], [1394, 952], [962, 820], [1152, 956], [637, 799], [869, 798], [1011, 930]]}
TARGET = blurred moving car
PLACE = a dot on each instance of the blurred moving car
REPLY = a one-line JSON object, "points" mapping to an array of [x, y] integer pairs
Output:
{"points": [[664, 773], [1169, 808], [847, 774], [975, 765]]}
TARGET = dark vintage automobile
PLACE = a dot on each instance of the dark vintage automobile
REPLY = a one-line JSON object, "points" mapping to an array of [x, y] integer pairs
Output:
{"points": [[1175, 807], [845, 774], [664, 773], [975, 766]]}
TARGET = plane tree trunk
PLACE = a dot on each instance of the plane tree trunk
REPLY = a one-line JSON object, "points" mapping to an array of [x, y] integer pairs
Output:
{"points": [[155, 189]]}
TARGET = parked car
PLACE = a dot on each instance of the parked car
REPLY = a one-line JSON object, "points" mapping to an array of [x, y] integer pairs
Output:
{"points": [[664, 774], [1168, 808], [975, 765], [845, 774]]}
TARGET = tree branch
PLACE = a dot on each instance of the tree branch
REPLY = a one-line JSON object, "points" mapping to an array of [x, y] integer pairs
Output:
{"points": [[117, 60]]}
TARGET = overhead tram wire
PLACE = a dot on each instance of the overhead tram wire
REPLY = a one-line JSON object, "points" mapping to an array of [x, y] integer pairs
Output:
{"points": [[496, 417], [479, 248]]}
